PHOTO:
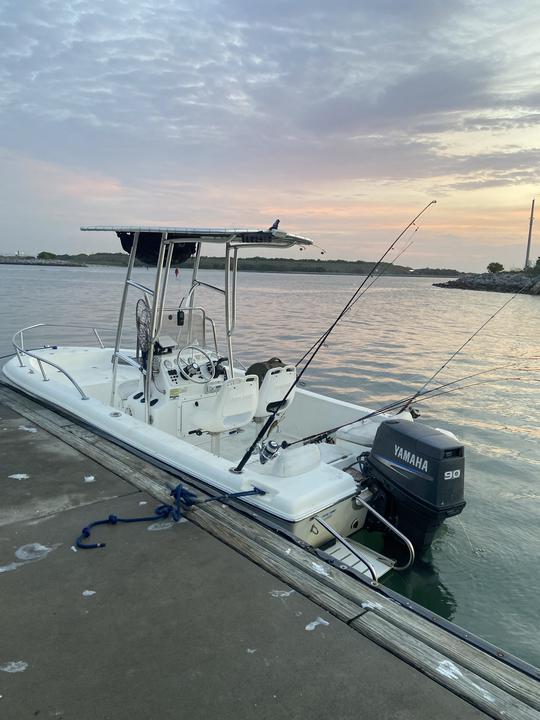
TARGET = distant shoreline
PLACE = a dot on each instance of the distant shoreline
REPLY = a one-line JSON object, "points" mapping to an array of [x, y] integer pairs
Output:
{"points": [[301, 266], [60, 263]]}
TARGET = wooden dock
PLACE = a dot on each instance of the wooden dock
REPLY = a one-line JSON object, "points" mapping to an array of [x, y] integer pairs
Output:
{"points": [[217, 616]]}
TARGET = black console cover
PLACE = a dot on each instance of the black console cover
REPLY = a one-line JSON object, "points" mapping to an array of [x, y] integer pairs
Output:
{"points": [[148, 247]]}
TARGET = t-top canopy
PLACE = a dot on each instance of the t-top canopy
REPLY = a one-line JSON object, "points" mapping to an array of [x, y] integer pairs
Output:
{"points": [[186, 239], [212, 235]]}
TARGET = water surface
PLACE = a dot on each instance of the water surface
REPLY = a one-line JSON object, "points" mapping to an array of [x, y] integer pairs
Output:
{"points": [[482, 570]]}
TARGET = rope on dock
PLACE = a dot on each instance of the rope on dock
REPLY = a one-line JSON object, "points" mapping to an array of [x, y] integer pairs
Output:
{"points": [[182, 497]]}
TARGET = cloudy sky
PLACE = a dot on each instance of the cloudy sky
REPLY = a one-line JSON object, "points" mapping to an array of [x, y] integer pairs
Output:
{"points": [[342, 118]]}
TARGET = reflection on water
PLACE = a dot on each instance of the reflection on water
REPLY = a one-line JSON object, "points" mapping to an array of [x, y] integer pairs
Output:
{"points": [[422, 583], [482, 568], [426, 588]]}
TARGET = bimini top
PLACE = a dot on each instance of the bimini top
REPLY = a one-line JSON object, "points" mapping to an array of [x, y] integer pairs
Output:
{"points": [[186, 238]]}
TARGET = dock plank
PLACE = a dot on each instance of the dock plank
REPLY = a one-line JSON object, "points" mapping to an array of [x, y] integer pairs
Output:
{"points": [[302, 569], [303, 582], [488, 697]]}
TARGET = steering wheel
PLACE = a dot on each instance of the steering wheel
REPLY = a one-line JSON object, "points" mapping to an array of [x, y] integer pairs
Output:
{"points": [[190, 369]]}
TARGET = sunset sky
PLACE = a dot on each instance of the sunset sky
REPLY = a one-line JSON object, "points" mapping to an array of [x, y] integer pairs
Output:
{"points": [[341, 118]]}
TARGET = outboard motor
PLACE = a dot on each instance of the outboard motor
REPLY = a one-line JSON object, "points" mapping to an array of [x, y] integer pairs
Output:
{"points": [[422, 470]]}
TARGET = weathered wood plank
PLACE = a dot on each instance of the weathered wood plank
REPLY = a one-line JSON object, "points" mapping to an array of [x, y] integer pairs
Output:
{"points": [[294, 577], [485, 695], [520, 686], [509, 679], [281, 557], [343, 608], [127, 472], [505, 677]]}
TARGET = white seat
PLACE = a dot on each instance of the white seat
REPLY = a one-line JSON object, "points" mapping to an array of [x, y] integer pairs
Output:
{"points": [[232, 406], [274, 387]]}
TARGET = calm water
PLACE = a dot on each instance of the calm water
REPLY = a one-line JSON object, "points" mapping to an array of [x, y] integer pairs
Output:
{"points": [[482, 571]]}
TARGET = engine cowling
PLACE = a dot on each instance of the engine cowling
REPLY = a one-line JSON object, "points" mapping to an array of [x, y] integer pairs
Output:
{"points": [[422, 470]]}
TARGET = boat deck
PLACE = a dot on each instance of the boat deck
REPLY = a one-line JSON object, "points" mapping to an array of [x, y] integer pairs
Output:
{"points": [[92, 370]]}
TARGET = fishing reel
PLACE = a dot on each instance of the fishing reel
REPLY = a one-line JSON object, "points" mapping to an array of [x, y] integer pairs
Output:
{"points": [[268, 451]]}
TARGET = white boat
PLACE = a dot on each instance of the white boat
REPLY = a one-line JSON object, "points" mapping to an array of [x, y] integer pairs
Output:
{"points": [[179, 398]]}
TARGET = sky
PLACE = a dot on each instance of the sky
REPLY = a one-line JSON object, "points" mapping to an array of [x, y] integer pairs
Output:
{"points": [[343, 119]]}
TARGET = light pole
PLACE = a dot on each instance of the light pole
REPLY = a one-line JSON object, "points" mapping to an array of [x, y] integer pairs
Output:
{"points": [[530, 235]]}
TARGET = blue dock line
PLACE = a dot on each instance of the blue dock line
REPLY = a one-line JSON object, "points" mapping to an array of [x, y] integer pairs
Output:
{"points": [[182, 497]]}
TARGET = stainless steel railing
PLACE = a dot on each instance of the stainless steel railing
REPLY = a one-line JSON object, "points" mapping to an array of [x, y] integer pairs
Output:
{"points": [[356, 553], [360, 501], [18, 343], [349, 547]]}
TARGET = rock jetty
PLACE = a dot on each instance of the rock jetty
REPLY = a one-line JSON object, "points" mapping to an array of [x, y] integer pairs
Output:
{"points": [[506, 282]]}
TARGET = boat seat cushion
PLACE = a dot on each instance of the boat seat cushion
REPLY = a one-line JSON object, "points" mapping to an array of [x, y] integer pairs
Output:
{"points": [[232, 406], [274, 387]]}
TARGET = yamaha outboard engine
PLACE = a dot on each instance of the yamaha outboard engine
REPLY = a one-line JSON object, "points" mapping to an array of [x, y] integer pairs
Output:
{"points": [[421, 472]]}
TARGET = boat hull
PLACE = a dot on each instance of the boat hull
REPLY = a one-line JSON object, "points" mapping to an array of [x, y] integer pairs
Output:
{"points": [[291, 502]]}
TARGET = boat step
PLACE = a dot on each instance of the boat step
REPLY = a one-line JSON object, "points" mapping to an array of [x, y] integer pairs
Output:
{"points": [[344, 556]]}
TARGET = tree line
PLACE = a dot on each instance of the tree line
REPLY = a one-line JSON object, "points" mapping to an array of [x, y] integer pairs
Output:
{"points": [[263, 264], [497, 267]]}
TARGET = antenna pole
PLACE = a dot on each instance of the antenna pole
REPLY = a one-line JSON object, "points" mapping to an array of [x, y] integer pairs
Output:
{"points": [[527, 257]]}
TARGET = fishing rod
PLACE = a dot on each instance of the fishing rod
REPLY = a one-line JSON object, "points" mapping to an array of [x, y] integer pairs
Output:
{"points": [[2, 357], [385, 270], [396, 403], [352, 303], [318, 345], [475, 333], [364, 291], [480, 382]]}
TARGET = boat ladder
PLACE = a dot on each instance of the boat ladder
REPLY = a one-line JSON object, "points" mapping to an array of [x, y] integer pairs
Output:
{"points": [[351, 554]]}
